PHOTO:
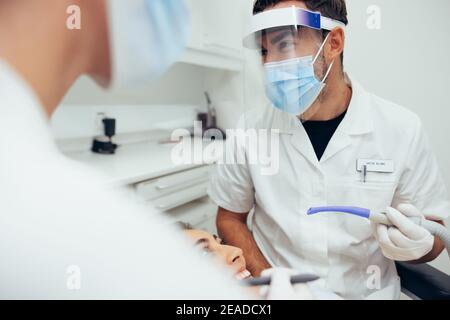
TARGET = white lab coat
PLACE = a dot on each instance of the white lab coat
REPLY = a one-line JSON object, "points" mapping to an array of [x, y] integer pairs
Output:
{"points": [[62, 236], [338, 247]]}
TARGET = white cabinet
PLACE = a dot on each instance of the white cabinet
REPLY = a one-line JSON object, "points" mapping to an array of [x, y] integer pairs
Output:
{"points": [[181, 196], [216, 24], [174, 190], [217, 30], [157, 188], [200, 214]]}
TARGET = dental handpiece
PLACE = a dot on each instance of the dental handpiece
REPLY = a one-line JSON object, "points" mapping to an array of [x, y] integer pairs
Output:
{"points": [[378, 217], [434, 228]]}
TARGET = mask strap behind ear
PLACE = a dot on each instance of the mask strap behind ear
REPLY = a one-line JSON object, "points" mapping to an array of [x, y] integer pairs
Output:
{"points": [[328, 72], [317, 56]]}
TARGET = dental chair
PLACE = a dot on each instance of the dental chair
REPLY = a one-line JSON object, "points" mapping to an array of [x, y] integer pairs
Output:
{"points": [[423, 282]]}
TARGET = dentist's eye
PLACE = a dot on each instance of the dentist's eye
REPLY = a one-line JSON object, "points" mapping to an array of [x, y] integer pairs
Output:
{"points": [[286, 45]]}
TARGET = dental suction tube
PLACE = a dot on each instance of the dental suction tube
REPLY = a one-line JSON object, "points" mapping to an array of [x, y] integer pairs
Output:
{"points": [[434, 228], [438, 230]]}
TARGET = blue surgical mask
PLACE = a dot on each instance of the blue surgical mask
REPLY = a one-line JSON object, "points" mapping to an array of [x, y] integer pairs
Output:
{"points": [[146, 37], [292, 85]]}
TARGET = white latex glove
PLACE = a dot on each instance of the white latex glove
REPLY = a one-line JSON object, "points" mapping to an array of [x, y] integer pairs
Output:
{"points": [[281, 288], [405, 241]]}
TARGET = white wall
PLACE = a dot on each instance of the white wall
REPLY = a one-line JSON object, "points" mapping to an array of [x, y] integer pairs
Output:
{"points": [[406, 61], [171, 89]]}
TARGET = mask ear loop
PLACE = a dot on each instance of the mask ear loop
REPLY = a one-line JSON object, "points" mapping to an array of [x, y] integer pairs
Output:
{"points": [[320, 49], [317, 56], [328, 72]]}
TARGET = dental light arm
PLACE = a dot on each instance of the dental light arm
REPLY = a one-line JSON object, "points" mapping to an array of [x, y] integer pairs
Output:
{"points": [[434, 228]]}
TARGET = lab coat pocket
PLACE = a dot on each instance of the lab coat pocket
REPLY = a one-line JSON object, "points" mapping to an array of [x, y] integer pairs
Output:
{"points": [[375, 196]]}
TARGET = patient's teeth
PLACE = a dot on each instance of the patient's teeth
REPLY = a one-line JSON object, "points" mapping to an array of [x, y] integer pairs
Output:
{"points": [[243, 275]]}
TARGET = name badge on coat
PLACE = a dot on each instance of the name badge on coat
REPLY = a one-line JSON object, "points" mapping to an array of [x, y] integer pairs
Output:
{"points": [[381, 166]]}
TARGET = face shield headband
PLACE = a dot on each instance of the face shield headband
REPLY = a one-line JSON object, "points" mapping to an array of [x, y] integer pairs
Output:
{"points": [[285, 17]]}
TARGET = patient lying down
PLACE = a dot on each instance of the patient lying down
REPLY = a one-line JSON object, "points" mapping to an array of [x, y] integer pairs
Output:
{"points": [[213, 246], [233, 257]]}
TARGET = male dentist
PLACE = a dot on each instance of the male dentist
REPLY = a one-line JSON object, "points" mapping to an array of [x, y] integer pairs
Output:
{"points": [[339, 145], [62, 236]]}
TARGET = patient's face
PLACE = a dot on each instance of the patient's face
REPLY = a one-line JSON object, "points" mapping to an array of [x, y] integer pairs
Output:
{"points": [[214, 246]]}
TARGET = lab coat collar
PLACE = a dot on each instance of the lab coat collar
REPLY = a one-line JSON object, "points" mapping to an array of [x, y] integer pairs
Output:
{"points": [[357, 121]]}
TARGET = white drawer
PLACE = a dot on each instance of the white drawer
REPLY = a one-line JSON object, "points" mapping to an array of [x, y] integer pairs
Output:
{"points": [[180, 198], [157, 188]]}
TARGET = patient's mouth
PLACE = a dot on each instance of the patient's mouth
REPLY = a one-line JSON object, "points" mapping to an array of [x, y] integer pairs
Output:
{"points": [[243, 275]]}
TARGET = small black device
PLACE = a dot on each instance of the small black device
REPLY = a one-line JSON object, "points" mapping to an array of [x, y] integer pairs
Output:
{"points": [[104, 144], [209, 122]]}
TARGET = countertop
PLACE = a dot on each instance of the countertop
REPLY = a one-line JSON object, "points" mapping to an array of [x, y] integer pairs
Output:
{"points": [[138, 162]]}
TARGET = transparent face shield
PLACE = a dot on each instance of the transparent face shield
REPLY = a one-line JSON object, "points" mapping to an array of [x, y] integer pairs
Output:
{"points": [[288, 47]]}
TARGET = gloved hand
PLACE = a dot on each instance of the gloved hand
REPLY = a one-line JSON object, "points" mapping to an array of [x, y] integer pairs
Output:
{"points": [[405, 241], [281, 288]]}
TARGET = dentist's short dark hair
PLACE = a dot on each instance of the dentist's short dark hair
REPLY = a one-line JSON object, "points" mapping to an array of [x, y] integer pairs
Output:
{"points": [[334, 9]]}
